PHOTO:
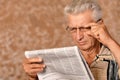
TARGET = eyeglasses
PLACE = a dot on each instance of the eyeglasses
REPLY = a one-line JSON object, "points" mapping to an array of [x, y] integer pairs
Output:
{"points": [[81, 28], [74, 29]]}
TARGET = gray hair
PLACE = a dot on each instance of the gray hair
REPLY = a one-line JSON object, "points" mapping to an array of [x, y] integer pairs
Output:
{"points": [[78, 6]]}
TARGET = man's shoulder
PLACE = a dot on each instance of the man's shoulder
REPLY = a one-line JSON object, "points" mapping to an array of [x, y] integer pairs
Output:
{"points": [[105, 53]]}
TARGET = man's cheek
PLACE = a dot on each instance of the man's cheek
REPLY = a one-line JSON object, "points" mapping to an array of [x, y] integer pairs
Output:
{"points": [[74, 38]]}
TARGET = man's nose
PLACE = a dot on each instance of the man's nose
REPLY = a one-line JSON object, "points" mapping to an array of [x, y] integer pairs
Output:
{"points": [[79, 35]]}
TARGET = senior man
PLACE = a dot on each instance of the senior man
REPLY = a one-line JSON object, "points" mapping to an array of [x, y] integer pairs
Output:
{"points": [[89, 33]]}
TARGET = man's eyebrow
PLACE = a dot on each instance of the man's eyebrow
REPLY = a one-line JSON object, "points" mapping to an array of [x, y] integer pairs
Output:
{"points": [[98, 20], [87, 27]]}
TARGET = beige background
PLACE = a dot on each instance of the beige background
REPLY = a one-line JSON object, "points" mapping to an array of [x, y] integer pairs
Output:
{"points": [[39, 24]]}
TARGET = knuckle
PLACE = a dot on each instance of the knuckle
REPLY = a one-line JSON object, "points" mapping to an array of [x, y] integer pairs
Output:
{"points": [[31, 66], [41, 70]]}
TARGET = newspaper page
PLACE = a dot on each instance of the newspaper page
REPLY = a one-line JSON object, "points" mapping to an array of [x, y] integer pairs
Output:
{"points": [[64, 63]]}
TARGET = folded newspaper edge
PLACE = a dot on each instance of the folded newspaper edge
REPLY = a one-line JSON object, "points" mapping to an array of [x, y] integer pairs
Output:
{"points": [[66, 63]]}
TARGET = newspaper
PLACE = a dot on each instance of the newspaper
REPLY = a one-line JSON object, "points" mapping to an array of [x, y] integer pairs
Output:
{"points": [[65, 63]]}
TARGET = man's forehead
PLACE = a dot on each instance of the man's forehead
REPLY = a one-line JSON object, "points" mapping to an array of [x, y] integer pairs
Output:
{"points": [[80, 19], [86, 13]]}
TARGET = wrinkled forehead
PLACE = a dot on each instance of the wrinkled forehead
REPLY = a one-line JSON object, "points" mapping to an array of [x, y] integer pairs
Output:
{"points": [[80, 19]]}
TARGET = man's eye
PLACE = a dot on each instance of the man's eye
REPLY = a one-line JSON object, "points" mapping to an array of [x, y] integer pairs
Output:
{"points": [[89, 27], [73, 29], [85, 28]]}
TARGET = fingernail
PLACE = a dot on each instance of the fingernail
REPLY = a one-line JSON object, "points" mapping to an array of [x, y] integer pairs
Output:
{"points": [[44, 66], [40, 59]]}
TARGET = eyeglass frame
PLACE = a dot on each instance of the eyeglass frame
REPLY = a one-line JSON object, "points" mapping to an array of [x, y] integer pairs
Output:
{"points": [[81, 28]]}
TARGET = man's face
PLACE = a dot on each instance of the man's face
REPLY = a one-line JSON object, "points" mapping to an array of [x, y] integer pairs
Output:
{"points": [[77, 25]]}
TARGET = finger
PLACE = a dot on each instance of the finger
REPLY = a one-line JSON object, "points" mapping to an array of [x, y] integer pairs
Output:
{"points": [[34, 60], [33, 72], [93, 33], [91, 25], [89, 33], [97, 36], [33, 66]]}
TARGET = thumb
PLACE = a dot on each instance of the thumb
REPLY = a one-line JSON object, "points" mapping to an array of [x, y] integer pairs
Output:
{"points": [[89, 33]]}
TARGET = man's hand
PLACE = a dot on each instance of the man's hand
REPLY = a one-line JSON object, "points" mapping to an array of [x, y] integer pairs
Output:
{"points": [[32, 66], [99, 31]]}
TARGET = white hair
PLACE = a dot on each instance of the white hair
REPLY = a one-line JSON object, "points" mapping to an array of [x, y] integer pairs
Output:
{"points": [[78, 6]]}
